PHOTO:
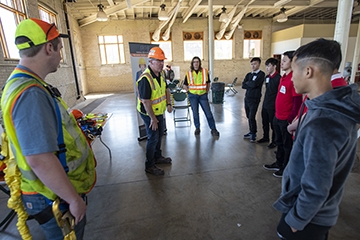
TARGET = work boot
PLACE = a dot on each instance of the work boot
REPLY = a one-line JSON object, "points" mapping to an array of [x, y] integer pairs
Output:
{"points": [[197, 131], [215, 132]]}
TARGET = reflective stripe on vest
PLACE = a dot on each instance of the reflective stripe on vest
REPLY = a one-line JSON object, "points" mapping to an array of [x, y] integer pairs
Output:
{"points": [[197, 82], [158, 93], [79, 156]]}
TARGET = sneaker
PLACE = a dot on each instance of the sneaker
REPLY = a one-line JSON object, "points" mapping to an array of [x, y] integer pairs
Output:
{"points": [[253, 138], [263, 140], [155, 171], [272, 145], [163, 160], [272, 167], [248, 135], [215, 132], [197, 131], [278, 174]]}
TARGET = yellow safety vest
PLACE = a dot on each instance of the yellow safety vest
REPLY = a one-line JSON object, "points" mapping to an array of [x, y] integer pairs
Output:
{"points": [[197, 81], [79, 156], [158, 93]]}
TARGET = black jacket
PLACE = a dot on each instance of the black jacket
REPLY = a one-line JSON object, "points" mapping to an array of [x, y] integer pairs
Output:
{"points": [[272, 85], [253, 83]]}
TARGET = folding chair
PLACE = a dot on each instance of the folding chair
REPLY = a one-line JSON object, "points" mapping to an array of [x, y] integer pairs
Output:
{"points": [[180, 101], [172, 87], [231, 87]]}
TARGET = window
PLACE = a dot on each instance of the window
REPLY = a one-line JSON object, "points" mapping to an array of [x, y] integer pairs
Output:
{"points": [[47, 15], [111, 49], [252, 43], [251, 48], [12, 12], [50, 17], [193, 45], [223, 49]]}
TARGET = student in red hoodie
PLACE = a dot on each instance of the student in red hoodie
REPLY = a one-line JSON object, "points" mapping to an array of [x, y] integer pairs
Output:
{"points": [[287, 105]]}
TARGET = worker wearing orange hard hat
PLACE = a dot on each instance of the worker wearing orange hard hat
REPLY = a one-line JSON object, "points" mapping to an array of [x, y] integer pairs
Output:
{"points": [[153, 100]]}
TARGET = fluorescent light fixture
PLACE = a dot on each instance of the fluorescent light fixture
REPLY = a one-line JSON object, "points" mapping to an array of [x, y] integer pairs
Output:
{"points": [[282, 16], [281, 3], [163, 16], [101, 15], [224, 17]]}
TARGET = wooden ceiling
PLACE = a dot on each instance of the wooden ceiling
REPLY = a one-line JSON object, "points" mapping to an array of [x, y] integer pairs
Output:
{"points": [[85, 10]]}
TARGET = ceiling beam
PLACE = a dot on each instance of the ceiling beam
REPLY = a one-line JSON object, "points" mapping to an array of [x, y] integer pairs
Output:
{"points": [[110, 10]]}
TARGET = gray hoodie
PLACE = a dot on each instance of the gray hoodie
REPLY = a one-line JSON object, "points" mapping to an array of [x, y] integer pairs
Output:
{"points": [[323, 154]]}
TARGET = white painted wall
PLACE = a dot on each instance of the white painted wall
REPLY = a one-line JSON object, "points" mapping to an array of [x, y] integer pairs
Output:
{"points": [[286, 45]]}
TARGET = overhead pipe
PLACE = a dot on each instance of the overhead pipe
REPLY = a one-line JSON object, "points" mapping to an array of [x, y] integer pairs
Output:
{"points": [[224, 25], [166, 34], [236, 21]]}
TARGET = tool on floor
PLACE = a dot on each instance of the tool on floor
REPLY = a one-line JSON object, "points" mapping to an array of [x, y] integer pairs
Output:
{"points": [[65, 221]]}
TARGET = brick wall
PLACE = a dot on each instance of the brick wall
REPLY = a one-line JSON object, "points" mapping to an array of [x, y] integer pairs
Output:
{"points": [[118, 77]]}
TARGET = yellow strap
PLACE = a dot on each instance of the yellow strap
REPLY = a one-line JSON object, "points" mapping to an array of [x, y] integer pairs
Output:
{"points": [[13, 180]]}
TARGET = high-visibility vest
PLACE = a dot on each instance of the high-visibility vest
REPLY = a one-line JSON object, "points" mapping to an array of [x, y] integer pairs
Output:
{"points": [[197, 81], [79, 156], [158, 93]]}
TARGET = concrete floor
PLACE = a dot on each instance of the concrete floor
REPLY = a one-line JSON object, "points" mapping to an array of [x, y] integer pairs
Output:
{"points": [[215, 188]]}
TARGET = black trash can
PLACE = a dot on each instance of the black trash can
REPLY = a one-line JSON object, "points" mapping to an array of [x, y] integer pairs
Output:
{"points": [[218, 89]]}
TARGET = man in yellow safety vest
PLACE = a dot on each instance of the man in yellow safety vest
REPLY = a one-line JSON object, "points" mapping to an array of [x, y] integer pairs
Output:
{"points": [[51, 152], [153, 100]]}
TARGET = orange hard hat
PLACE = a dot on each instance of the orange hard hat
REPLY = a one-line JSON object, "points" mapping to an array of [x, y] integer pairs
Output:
{"points": [[77, 113], [157, 53]]}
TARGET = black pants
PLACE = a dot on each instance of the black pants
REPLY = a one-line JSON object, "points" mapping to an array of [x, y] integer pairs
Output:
{"points": [[310, 232], [267, 116], [284, 142], [251, 107]]}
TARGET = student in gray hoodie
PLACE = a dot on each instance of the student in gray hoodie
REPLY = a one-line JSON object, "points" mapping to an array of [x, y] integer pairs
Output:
{"points": [[324, 149]]}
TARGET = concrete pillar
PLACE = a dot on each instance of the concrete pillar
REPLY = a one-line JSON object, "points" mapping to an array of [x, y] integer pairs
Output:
{"points": [[342, 27], [355, 61], [211, 40]]}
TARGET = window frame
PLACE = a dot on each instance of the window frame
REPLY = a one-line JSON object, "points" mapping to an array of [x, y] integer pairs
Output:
{"points": [[120, 48], [52, 18], [18, 10]]}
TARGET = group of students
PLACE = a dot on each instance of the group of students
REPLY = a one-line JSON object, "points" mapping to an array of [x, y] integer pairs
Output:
{"points": [[281, 107], [316, 137]]}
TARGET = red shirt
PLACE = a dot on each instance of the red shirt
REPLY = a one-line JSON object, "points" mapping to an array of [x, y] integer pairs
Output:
{"points": [[337, 80], [284, 97]]}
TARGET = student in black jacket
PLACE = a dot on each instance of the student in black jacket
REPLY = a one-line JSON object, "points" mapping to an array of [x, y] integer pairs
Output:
{"points": [[253, 82], [268, 108]]}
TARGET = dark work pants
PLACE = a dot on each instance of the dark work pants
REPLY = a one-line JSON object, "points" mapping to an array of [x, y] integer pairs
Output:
{"points": [[251, 107], [310, 232], [267, 116], [153, 145], [284, 142]]}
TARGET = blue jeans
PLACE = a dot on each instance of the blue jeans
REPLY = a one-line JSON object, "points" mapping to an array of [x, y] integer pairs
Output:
{"points": [[35, 204], [195, 100], [153, 145]]}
